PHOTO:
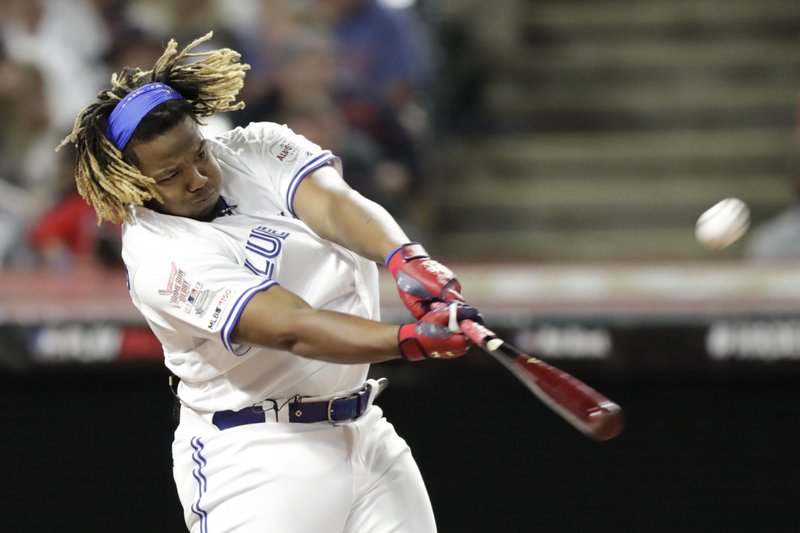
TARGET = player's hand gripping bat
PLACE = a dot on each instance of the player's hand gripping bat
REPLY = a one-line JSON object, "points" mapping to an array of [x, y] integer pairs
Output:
{"points": [[589, 411]]}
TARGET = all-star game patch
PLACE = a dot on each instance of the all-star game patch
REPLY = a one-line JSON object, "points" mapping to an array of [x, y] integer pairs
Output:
{"points": [[284, 150], [191, 298], [197, 301]]}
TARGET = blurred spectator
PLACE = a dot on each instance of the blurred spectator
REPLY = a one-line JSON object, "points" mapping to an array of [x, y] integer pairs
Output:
{"points": [[16, 208], [383, 53], [24, 125], [382, 62], [365, 167], [351, 80], [132, 42], [26, 155], [66, 236], [194, 18], [383, 68], [303, 76], [65, 40], [779, 237], [133, 47], [267, 46], [294, 81], [51, 70]]}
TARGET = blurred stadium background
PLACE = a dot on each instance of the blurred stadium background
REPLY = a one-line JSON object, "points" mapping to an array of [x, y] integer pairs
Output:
{"points": [[555, 153]]}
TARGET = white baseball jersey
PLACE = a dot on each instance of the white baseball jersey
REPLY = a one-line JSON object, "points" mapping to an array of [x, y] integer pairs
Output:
{"points": [[191, 279]]}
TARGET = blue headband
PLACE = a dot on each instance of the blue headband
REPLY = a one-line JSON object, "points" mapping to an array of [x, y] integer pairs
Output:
{"points": [[132, 109]]}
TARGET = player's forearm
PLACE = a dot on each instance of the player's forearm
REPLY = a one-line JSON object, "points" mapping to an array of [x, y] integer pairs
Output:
{"points": [[341, 215], [277, 318], [328, 336], [341, 338], [364, 227]]}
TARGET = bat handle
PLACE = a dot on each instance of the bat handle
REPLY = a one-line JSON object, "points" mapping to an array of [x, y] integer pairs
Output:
{"points": [[480, 335], [474, 331]]}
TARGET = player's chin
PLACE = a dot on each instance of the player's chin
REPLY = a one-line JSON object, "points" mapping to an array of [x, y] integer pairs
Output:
{"points": [[203, 208]]}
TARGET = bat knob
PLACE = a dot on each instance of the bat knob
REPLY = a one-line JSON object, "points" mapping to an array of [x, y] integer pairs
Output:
{"points": [[494, 344]]}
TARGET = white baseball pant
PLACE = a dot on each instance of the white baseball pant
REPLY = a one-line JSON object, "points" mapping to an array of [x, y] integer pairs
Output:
{"points": [[285, 477]]}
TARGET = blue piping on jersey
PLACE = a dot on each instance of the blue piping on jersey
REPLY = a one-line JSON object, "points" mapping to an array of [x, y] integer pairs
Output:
{"points": [[202, 482], [236, 311], [322, 159]]}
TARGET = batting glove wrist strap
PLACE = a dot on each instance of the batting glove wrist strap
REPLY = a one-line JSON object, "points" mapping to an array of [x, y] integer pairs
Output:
{"points": [[435, 335], [403, 254], [421, 280], [410, 348]]}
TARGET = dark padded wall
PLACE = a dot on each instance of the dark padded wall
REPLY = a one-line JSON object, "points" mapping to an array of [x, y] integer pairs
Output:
{"points": [[87, 449]]}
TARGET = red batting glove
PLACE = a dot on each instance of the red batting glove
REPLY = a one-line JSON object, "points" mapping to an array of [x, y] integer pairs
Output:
{"points": [[432, 338], [421, 280]]}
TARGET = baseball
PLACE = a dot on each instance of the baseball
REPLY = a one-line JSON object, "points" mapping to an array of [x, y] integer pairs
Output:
{"points": [[723, 223]]}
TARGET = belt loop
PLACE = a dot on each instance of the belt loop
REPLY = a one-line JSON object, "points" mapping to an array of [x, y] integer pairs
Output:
{"points": [[274, 408]]}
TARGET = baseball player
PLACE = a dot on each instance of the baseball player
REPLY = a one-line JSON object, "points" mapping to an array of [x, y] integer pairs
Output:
{"points": [[254, 264]]}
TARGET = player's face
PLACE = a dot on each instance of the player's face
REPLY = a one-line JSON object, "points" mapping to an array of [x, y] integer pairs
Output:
{"points": [[187, 175]]}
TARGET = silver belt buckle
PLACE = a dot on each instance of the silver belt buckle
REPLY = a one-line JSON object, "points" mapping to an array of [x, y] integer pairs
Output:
{"points": [[330, 410], [330, 407], [366, 389]]}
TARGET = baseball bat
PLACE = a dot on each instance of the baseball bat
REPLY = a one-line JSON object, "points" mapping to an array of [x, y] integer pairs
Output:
{"points": [[589, 411]]}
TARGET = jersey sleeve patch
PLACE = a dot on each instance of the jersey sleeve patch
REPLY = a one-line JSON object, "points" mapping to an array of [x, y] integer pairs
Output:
{"points": [[286, 158], [191, 297], [198, 302], [284, 150]]}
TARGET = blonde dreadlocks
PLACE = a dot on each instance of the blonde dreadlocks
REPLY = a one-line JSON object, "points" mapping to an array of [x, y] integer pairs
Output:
{"points": [[209, 82]]}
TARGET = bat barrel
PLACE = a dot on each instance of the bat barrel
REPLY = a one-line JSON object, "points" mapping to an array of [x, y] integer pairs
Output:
{"points": [[606, 422], [589, 411]]}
